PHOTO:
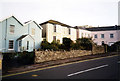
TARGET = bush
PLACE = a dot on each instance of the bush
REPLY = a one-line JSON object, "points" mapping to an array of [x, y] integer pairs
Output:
{"points": [[83, 44], [17, 59], [67, 42], [114, 47], [54, 45]]}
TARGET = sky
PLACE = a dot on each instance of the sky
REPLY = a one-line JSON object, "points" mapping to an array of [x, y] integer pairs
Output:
{"points": [[71, 12]]}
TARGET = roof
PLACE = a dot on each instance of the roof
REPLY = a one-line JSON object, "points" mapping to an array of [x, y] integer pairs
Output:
{"points": [[55, 22], [21, 23], [106, 28], [23, 36], [13, 17], [28, 22]]}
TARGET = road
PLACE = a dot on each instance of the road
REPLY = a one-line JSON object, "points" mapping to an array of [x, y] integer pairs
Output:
{"points": [[100, 68]]}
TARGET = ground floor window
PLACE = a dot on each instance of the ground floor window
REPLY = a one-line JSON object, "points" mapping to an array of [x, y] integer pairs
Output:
{"points": [[27, 45], [54, 38], [11, 44]]}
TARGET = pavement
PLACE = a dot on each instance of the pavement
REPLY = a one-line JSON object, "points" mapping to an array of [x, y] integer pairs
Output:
{"points": [[97, 68]]}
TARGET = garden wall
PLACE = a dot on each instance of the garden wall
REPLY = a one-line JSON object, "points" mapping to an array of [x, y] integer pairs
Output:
{"points": [[42, 56]]}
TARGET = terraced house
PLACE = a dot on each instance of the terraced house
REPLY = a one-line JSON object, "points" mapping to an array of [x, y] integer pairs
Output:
{"points": [[18, 37], [105, 35], [54, 30]]}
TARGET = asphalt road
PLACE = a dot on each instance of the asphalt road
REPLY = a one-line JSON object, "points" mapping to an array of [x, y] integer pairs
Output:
{"points": [[102, 68]]}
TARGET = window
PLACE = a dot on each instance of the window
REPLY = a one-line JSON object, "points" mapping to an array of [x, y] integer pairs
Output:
{"points": [[82, 35], [111, 36], [95, 36], [54, 38], [12, 29], [20, 43], [69, 31], [102, 35], [11, 43], [27, 45], [88, 35], [33, 31], [54, 28]]}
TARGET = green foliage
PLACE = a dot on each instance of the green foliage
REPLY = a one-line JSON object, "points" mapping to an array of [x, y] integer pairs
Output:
{"points": [[51, 46], [45, 45], [23, 58], [68, 43], [83, 43]]}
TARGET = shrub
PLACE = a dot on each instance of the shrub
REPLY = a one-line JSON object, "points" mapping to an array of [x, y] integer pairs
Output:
{"points": [[83, 43], [67, 43]]}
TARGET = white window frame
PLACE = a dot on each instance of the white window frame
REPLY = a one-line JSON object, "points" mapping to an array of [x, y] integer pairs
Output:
{"points": [[33, 31], [95, 36], [103, 36], [12, 29], [112, 35], [9, 44]]}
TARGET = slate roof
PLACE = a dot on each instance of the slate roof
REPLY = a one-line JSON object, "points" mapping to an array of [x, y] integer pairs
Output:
{"points": [[23, 36], [106, 28], [55, 22]]}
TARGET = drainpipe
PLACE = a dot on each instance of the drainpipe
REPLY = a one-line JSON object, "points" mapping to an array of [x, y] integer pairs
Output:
{"points": [[6, 36]]}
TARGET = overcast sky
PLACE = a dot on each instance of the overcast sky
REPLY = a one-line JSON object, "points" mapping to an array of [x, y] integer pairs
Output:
{"points": [[71, 12]]}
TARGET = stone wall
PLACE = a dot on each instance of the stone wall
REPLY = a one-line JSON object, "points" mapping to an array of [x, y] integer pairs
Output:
{"points": [[42, 56], [98, 49]]}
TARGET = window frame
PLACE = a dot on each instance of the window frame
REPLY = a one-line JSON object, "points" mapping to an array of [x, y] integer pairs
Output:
{"points": [[27, 45], [69, 31], [54, 37], [95, 36], [112, 35], [12, 45], [103, 36], [12, 30], [33, 31], [55, 29]]}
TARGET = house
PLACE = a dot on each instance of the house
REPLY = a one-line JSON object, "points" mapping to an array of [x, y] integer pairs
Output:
{"points": [[54, 30], [82, 32], [18, 37], [105, 35]]}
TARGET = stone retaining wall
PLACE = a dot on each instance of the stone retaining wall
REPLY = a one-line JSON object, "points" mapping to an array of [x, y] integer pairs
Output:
{"points": [[42, 56]]}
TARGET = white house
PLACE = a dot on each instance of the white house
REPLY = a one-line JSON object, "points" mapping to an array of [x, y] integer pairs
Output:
{"points": [[54, 30], [18, 37]]}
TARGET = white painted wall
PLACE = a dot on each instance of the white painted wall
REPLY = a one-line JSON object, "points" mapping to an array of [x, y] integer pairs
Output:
{"points": [[60, 33]]}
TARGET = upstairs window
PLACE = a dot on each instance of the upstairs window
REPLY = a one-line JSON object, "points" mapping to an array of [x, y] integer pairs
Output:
{"points": [[33, 31], [69, 31], [95, 36], [102, 35], [11, 43], [111, 35], [54, 28], [12, 29]]}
